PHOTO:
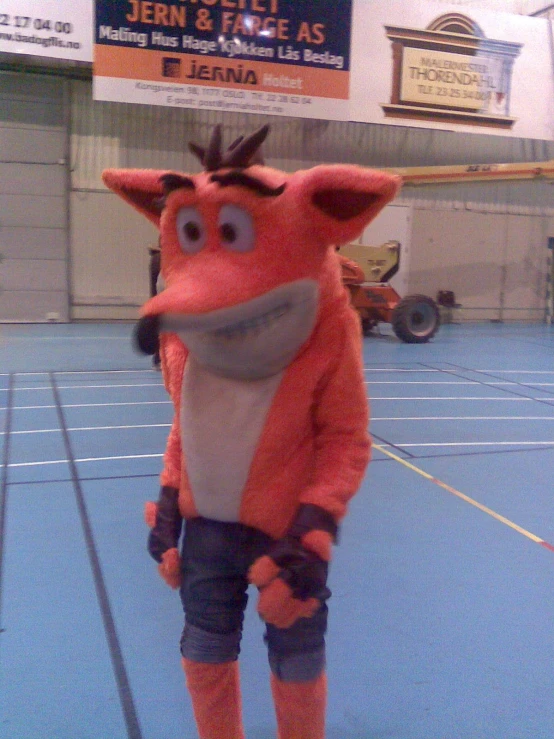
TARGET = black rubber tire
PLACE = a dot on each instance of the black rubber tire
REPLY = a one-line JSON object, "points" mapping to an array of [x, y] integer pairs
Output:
{"points": [[367, 326], [416, 319]]}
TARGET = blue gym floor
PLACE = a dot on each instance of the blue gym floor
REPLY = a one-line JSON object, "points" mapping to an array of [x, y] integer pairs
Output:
{"points": [[443, 585]]}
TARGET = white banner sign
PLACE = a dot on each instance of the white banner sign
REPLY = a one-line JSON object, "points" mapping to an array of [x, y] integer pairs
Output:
{"points": [[270, 57], [450, 66], [59, 29]]}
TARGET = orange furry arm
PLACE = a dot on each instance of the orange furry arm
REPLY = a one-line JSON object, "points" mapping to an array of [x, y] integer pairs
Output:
{"points": [[173, 355], [343, 444], [164, 517], [292, 577], [171, 473]]}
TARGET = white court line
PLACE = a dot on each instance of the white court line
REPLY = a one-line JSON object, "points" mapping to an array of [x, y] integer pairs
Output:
{"points": [[366, 369], [471, 443], [91, 428], [394, 369], [456, 397], [102, 372], [157, 456], [75, 372], [34, 339], [463, 418], [87, 405], [449, 382], [26, 374], [492, 383], [84, 459], [87, 387], [375, 418], [168, 402], [464, 369], [516, 372], [428, 382]]}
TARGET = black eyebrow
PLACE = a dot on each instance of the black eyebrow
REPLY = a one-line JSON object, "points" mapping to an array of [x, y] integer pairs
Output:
{"points": [[172, 181], [245, 180]]}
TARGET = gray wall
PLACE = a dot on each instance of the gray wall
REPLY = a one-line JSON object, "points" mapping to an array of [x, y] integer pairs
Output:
{"points": [[485, 242], [33, 199], [495, 263]]}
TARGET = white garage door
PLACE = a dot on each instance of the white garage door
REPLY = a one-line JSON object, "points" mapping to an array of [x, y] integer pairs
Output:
{"points": [[33, 199]]}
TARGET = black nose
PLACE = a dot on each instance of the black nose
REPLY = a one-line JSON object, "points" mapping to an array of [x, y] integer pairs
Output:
{"points": [[145, 335]]}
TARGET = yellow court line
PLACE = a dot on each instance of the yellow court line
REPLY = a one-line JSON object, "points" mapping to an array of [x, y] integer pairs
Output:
{"points": [[464, 497]]}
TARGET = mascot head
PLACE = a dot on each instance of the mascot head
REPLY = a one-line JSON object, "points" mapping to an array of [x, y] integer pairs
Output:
{"points": [[247, 253]]}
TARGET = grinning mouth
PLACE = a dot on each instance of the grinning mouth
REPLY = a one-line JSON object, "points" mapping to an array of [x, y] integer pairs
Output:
{"points": [[254, 339], [248, 318], [252, 325]]}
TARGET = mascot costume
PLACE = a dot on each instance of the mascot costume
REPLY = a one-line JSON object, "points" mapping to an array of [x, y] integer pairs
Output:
{"points": [[261, 355]]}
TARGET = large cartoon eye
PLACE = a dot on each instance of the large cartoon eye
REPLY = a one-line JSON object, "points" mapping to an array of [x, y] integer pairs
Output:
{"points": [[236, 228], [190, 230]]}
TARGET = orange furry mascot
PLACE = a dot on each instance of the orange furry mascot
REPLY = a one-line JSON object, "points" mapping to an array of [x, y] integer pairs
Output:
{"points": [[261, 355]]}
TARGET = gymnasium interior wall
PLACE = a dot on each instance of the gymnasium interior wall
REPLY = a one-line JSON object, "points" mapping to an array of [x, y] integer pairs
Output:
{"points": [[487, 243]]}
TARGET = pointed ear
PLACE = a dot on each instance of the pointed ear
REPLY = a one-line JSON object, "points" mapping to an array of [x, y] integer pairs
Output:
{"points": [[141, 188], [342, 199]]}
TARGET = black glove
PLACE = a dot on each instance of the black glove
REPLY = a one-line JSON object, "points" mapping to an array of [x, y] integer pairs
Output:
{"points": [[167, 525], [292, 577], [302, 569]]}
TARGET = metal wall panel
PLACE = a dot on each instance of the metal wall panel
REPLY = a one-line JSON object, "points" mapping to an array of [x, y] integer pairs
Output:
{"points": [[21, 111], [23, 179], [33, 211], [461, 252], [33, 199], [31, 147], [519, 198], [495, 263], [16, 86], [21, 242], [109, 264], [32, 306], [125, 135], [43, 275], [523, 282]]}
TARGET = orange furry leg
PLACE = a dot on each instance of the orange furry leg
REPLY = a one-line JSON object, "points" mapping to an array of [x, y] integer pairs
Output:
{"points": [[300, 708], [215, 693]]}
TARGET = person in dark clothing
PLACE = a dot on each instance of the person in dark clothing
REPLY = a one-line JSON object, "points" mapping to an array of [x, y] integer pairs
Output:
{"points": [[154, 271]]}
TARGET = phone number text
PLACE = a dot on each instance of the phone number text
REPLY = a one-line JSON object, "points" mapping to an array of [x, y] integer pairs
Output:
{"points": [[39, 24]]}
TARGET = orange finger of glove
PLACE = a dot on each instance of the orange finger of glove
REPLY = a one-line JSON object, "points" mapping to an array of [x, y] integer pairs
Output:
{"points": [[278, 606], [170, 568], [150, 513], [263, 571], [320, 543]]}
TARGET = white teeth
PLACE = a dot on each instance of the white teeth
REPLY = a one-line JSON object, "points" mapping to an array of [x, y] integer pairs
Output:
{"points": [[251, 325]]}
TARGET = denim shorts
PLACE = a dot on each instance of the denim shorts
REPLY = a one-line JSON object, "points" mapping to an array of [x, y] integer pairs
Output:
{"points": [[216, 557]]}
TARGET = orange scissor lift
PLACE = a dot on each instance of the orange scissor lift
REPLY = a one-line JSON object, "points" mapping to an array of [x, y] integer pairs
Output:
{"points": [[367, 270]]}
